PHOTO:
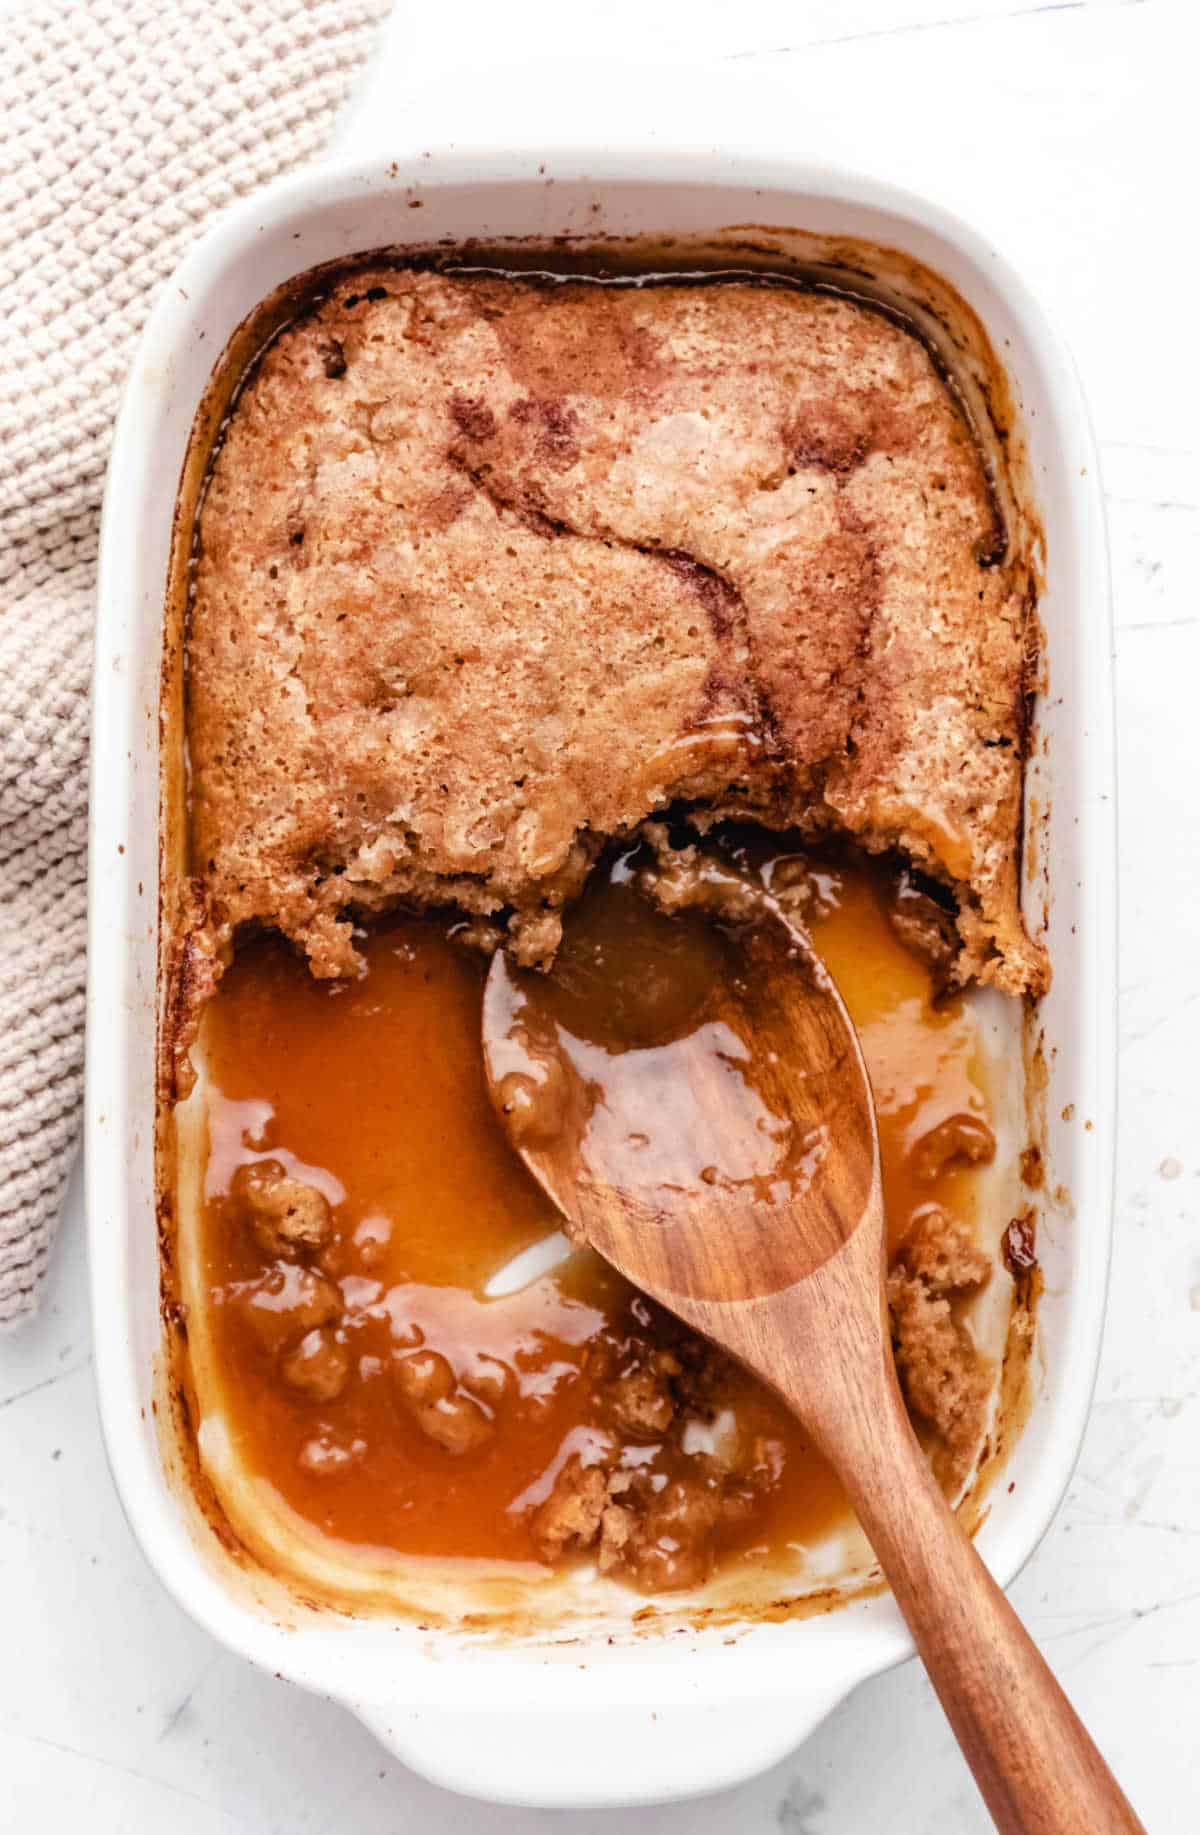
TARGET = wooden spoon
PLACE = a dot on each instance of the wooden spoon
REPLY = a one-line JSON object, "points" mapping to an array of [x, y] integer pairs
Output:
{"points": [[711, 1132]]}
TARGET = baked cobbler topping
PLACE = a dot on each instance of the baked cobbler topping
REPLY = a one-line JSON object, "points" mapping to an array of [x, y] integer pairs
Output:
{"points": [[535, 559]]}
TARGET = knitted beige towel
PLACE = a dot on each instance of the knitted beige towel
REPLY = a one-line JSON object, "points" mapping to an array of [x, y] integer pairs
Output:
{"points": [[125, 126]]}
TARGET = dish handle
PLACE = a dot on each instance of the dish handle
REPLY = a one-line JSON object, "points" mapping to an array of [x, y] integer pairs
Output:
{"points": [[608, 1753]]}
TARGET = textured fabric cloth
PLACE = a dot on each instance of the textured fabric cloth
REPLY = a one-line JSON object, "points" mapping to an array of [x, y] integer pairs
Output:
{"points": [[125, 126]]}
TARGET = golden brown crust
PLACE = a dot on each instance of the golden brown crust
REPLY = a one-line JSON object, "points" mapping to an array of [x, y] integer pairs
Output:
{"points": [[491, 569]]}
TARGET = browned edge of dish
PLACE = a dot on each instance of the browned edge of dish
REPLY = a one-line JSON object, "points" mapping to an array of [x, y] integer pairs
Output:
{"points": [[963, 353]]}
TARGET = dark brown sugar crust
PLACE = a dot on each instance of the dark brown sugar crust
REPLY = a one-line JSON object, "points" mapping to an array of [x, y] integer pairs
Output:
{"points": [[491, 568]]}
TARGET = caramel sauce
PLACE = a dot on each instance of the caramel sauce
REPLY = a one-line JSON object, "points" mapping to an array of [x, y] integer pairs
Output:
{"points": [[373, 1093]]}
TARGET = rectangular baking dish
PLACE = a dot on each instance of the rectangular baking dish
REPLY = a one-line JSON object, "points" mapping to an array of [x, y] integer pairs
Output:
{"points": [[588, 1721]]}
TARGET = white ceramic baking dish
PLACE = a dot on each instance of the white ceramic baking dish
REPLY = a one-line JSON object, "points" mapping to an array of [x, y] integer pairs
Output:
{"points": [[657, 1717]]}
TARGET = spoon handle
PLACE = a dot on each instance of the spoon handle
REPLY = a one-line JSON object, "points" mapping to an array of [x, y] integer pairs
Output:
{"points": [[1036, 1765], [1033, 1760]]}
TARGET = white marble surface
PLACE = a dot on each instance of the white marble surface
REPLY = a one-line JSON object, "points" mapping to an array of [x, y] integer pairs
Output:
{"points": [[1062, 130]]}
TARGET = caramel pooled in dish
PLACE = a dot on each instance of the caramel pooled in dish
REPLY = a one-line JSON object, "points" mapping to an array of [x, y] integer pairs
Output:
{"points": [[408, 1351]]}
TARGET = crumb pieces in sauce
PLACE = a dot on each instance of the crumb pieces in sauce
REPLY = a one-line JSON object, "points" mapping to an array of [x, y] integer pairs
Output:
{"points": [[658, 1520], [943, 1379], [440, 1405], [288, 1216], [318, 1366], [370, 1376], [959, 1137], [925, 923], [285, 1303]]}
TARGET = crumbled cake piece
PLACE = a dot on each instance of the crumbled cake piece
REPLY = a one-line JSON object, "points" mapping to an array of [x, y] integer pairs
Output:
{"points": [[962, 1137], [289, 1217], [639, 1400], [492, 568], [657, 1528], [940, 1251], [925, 926], [659, 1482], [944, 1378], [663, 1536], [569, 1519], [442, 1407]]}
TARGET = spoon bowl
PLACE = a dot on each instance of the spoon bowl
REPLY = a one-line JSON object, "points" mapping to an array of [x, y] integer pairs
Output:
{"points": [[745, 1099]]}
